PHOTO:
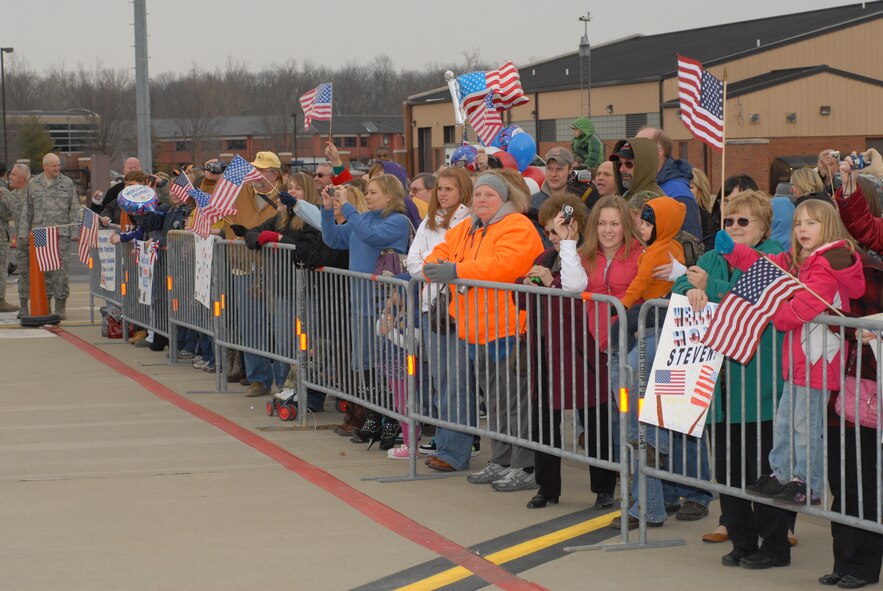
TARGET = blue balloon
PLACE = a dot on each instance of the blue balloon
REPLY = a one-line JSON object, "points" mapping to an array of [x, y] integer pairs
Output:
{"points": [[523, 148], [505, 136]]}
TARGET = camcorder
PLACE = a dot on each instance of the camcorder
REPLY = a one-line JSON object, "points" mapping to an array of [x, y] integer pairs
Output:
{"points": [[578, 181], [216, 167]]}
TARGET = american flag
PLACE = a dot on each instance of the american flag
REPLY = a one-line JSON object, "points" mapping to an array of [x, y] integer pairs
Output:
{"points": [[704, 390], [88, 235], [670, 381], [316, 105], [46, 246], [702, 102], [238, 172], [200, 224], [746, 310], [152, 252], [484, 94], [181, 186]]}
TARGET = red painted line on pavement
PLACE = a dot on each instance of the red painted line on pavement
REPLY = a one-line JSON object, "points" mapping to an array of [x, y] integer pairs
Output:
{"points": [[371, 508]]}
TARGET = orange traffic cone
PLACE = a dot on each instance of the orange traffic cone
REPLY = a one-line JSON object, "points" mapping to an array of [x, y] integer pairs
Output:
{"points": [[39, 303]]}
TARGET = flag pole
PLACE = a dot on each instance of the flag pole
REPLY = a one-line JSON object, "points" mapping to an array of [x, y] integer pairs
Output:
{"points": [[724, 149]]}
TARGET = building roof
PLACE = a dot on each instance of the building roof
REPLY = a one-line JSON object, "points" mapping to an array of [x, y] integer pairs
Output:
{"points": [[255, 125], [651, 57], [777, 77]]}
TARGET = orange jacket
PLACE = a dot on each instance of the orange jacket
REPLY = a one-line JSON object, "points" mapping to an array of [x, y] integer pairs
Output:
{"points": [[669, 218], [502, 251]]}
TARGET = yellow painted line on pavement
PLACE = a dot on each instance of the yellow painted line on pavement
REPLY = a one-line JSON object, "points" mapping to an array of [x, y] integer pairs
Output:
{"points": [[453, 575]]}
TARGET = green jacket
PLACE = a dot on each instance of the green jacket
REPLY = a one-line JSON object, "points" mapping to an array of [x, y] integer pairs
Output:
{"points": [[587, 146], [720, 281]]}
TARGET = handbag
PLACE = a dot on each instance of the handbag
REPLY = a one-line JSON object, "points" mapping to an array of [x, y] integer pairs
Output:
{"points": [[440, 321], [866, 390]]}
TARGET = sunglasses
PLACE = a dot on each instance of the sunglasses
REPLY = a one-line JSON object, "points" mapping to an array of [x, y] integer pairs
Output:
{"points": [[320, 174], [627, 163], [549, 233], [743, 222]]}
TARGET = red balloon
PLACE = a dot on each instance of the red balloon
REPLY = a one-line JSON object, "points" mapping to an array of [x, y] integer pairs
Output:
{"points": [[507, 159], [535, 173]]}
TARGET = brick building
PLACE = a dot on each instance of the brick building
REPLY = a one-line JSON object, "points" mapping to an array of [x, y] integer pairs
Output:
{"points": [[797, 84]]}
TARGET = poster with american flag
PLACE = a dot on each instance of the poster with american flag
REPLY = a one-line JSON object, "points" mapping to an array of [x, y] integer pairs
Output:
{"points": [[46, 248], [684, 371]]}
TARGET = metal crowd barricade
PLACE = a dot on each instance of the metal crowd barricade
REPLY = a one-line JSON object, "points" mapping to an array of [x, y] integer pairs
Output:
{"points": [[741, 447], [184, 309], [112, 297], [153, 316], [358, 333]]}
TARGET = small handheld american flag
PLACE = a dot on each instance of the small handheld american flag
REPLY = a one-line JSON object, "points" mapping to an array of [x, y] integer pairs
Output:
{"points": [[316, 105], [46, 247], [88, 235]]}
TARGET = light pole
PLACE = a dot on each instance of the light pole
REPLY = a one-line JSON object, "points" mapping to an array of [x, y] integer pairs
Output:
{"points": [[3, 83], [585, 66]]}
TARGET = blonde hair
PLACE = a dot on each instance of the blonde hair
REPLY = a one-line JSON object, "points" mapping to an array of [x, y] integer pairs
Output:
{"points": [[294, 222], [463, 182], [832, 227], [758, 204], [703, 190], [356, 197], [589, 250], [519, 192], [808, 180], [392, 188]]}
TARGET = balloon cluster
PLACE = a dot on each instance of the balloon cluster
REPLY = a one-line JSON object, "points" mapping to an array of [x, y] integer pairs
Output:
{"points": [[514, 148]]}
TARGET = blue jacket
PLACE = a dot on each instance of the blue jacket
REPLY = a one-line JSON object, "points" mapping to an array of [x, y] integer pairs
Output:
{"points": [[783, 215], [674, 180]]}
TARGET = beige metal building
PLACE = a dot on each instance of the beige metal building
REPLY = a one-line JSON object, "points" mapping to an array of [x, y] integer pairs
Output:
{"points": [[797, 84]]}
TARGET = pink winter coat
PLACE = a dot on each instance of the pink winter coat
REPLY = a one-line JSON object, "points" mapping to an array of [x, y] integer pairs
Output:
{"points": [[833, 272], [614, 282]]}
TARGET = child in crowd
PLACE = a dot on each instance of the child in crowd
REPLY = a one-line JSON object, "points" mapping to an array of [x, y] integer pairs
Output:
{"points": [[661, 219], [824, 259]]}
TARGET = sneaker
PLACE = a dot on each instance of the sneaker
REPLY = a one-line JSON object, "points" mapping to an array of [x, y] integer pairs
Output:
{"points": [[489, 474], [209, 368], [767, 485], [200, 364], [482, 411], [691, 511], [515, 479], [795, 492], [184, 354], [196, 360], [428, 449], [399, 452], [285, 394], [476, 448]]}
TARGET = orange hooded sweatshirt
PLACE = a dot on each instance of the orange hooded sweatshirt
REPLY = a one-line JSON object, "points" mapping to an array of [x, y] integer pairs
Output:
{"points": [[669, 218]]}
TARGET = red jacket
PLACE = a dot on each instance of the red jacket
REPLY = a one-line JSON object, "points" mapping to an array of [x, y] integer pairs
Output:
{"points": [[857, 218], [613, 281], [833, 272]]}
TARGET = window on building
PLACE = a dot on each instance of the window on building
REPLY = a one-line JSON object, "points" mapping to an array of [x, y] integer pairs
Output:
{"points": [[236, 144], [528, 127], [546, 131], [363, 141], [634, 122], [450, 134]]}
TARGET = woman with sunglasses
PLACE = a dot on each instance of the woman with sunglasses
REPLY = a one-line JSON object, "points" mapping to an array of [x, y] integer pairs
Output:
{"points": [[748, 221]]}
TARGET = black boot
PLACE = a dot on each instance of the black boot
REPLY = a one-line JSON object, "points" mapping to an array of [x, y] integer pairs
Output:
{"points": [[388, 434], [370, 431]]}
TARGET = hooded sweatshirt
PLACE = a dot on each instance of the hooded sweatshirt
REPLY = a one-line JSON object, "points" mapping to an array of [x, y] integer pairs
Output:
{"points": [[669, 217], [643, 183], [587, 146], [674, 180]]}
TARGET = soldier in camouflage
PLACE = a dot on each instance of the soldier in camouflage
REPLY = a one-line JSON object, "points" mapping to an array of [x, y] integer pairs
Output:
{"points": [[7, 214], [50, 199]]}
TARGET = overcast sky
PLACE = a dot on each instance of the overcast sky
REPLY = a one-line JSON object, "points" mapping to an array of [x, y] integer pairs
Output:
{"points": [[413, 33]]}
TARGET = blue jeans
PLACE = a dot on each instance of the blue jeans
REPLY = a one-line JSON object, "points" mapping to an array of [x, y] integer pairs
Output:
{"points": [[187, 339], [672, 491], [805, 433], [449, 367], [205, 347]]}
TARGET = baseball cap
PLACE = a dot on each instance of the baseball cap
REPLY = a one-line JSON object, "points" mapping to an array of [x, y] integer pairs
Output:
{"points": [[625, 151], [560, 155], [264, 160]]}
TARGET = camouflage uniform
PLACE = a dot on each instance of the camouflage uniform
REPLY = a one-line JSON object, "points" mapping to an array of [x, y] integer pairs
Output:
{"points": [[46, 204], [8, 213]]}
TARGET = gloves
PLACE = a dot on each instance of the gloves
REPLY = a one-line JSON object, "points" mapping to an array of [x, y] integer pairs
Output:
{"points": [[723, 243], [268, 236], [239, 230], [287, 199], [440, 272]]}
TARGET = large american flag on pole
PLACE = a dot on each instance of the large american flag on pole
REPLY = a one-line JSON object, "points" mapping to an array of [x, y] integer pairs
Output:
{"points": [[46, 247], [88, 235], [180, 187], [484, 94], [702, 102], [316, 105], [746, 310]]}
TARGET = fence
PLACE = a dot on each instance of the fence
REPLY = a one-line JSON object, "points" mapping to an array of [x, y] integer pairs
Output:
{"points": [[734, 451], [148, 310], [106, 288], [371, 341]]}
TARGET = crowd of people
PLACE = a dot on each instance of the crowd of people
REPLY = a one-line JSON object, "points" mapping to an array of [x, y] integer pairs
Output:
{"points": [[646, 227]]}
